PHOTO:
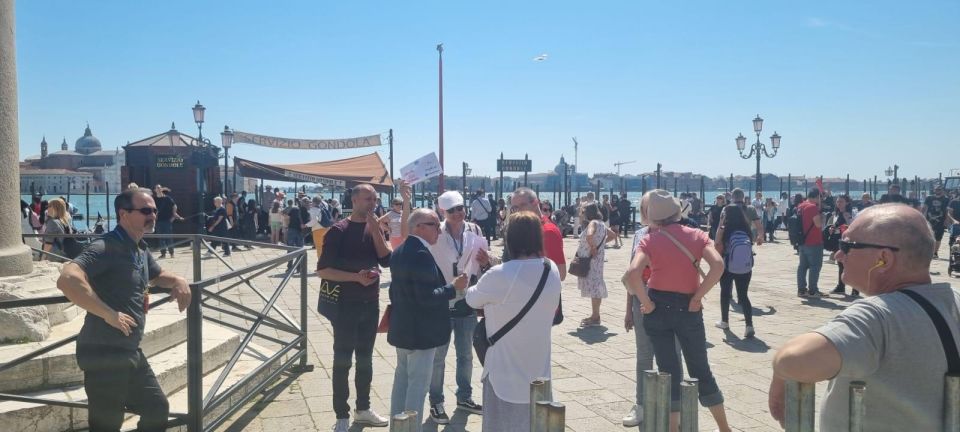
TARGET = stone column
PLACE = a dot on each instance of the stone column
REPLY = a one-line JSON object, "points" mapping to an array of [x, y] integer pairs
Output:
{"points": [[15, 257]]}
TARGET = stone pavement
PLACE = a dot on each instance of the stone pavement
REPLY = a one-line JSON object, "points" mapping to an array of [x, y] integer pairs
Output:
{"points": [[593, 368]]}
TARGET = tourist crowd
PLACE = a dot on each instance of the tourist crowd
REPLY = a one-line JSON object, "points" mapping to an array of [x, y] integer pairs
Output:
{"points": [[444, 279]]}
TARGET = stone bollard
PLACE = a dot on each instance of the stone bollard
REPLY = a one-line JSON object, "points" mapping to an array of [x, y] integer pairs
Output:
{"points": [[689, 397], [663, 402], [857, 410], [800, 413], [649, 401], [951, 414], [539, 391], [404, 422]]}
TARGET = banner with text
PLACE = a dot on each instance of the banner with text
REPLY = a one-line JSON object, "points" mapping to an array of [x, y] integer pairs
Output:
{"points": [[306, 144]]}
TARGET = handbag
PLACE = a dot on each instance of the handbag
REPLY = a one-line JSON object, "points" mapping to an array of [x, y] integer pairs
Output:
{"points": [[481, 343], [384, 325], [580, 266], [328, 304], [694, 261]]}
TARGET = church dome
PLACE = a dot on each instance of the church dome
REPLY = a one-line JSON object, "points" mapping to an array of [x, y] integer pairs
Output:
{"points": [[88, 143]]}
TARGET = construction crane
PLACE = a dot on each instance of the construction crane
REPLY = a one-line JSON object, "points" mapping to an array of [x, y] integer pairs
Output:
{"points": [[619, 164]]}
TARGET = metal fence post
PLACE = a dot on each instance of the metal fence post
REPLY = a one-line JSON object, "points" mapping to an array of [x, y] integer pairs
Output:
{"points": [[808, 400], [540, 421], [195, 347], [303, 367], [791, 406], [649, 401], [857, 411], [951, 414], [539, 391], [663, 402], [556, 419], [689, 421]]}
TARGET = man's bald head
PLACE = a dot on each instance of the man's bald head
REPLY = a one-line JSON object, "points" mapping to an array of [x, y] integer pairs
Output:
{"points": [[901, 226]]}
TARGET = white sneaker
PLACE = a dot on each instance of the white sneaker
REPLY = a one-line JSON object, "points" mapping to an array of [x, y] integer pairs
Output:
{"points": [[634, 417], [721, 325], [749, 333], [342, 425], [370, 418]]}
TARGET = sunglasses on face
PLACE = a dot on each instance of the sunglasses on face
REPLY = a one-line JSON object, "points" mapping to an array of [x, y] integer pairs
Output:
{"points": [[455, 209], [846, 246], [146, 211]]}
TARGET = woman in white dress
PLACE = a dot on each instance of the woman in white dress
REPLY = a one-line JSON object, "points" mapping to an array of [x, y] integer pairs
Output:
{"points": [[592, 240]]}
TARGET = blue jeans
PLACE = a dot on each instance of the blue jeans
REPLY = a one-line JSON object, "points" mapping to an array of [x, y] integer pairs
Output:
{"points": [[165, 227], [811, 258], [463, 344], [644, 346], [294, 237], [410, 381], [669, 323]]}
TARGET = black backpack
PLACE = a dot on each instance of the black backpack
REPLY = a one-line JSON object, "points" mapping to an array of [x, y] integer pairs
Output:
{"points": [[72, 247], [795, 230]]}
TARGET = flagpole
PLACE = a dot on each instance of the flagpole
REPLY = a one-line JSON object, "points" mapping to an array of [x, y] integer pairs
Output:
{"points": [[440, 182]]}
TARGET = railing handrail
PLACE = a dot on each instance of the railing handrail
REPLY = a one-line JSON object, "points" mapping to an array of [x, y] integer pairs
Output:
{"points": [[194, 418]]}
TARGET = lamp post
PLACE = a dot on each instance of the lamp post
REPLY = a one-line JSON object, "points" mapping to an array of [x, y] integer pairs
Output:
{"points": [[892, 172], [758, 148], [440, 58], [202, 147], [226, 138], [466, 172]]}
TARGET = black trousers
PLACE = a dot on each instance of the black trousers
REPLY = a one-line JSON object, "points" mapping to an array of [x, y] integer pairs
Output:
{"points": [[354, 332], [117, 380], [726, 293]]}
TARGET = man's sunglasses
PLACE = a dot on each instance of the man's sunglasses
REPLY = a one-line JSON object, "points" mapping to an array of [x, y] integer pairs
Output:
{"points": [[845, 246], [454, 209], [146, 211]]}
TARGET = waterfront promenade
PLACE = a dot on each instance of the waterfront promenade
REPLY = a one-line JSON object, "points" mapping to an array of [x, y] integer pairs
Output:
{"points": [[593, 368]]}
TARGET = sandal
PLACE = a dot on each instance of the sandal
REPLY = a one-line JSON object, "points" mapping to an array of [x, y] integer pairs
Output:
{"points": [[587, 322]]}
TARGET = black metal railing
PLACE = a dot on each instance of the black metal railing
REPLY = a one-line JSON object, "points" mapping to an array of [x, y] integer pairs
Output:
{"points": [[207, 411]]}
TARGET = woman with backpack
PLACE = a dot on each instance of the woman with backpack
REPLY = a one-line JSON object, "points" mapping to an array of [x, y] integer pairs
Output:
{"points": [[735, 244], [57, 222]]}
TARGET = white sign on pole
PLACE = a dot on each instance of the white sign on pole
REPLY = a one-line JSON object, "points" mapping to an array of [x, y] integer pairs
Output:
{"points": [[421, 169]]}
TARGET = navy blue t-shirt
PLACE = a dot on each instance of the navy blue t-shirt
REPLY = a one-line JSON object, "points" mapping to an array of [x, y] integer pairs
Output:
{"points": [[119, 272]]}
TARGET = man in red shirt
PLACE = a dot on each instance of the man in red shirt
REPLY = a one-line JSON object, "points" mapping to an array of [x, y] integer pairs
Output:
{"points": [[525, 199], [811, 250]]}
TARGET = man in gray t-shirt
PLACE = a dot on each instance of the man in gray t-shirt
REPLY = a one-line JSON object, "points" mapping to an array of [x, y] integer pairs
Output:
{"points": [[886, 340]]}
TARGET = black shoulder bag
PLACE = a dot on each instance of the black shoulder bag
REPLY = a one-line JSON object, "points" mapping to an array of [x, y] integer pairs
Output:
{"points": [[481, 343], [943, 330]]}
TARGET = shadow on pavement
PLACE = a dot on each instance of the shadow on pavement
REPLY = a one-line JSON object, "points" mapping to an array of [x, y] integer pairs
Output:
{"points": [[756, 311], [822, 303], [268, 395], [592, 335], [752, 345]]}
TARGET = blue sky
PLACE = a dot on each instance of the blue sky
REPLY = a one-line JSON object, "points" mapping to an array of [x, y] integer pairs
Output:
{"points": [[851, 86]]}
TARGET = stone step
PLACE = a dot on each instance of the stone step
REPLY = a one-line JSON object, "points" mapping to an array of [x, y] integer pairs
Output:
{"points": [[166, 327], [170, 367], [251, 358]]}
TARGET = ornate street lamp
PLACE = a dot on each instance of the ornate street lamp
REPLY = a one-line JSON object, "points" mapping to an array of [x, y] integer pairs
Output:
{"points": [[758, 148], [892, 172], [226, 138], [198, 111]]}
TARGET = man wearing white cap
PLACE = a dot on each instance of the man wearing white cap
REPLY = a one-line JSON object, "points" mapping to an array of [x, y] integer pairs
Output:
{"points": [[459, 250]]}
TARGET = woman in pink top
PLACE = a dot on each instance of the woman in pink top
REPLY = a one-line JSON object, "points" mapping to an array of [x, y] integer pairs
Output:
{"points": [[672, 304]]}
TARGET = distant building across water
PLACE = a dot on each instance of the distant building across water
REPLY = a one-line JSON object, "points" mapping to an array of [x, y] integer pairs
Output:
{"points": [[56, 172]]}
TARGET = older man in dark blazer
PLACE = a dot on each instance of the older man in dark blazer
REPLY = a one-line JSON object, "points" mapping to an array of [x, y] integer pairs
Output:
{"points": [[419, 317]]}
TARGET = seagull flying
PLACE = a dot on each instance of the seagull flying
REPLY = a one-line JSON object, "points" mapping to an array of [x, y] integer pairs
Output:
{"points": [[540, 58]]}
